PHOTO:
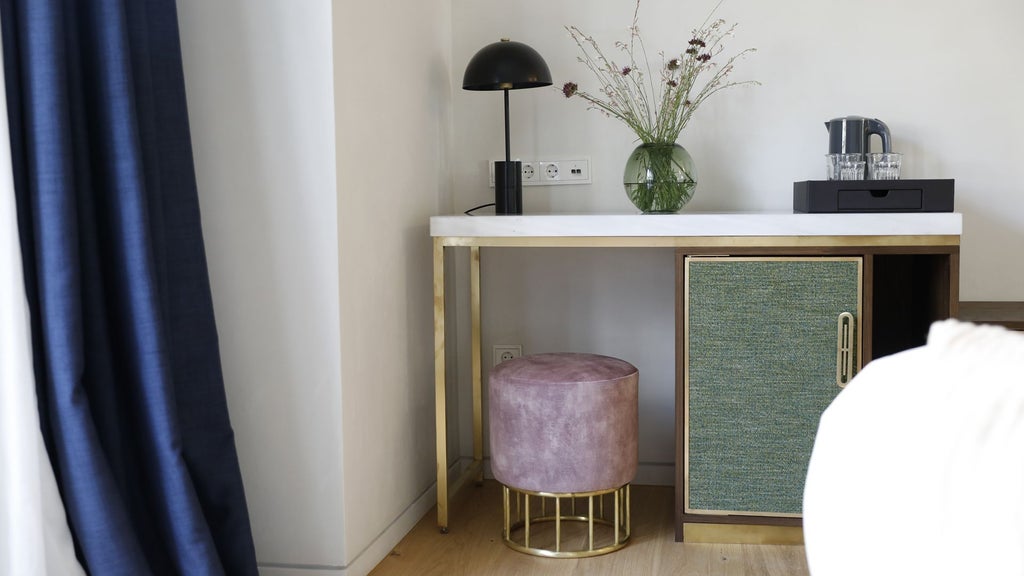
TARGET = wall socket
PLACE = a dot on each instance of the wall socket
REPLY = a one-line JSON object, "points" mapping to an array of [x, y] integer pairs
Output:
{"points": [[550, 172], [504, 352]]}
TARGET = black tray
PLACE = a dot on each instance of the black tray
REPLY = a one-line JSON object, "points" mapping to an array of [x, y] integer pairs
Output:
{"points": [[818, 196]]}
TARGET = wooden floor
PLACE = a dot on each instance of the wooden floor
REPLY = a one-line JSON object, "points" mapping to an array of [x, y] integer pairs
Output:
{"points": [[474, 547]]}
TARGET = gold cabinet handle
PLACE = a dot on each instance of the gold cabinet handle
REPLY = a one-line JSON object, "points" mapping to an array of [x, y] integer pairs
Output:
{"points": [[844, 349]]}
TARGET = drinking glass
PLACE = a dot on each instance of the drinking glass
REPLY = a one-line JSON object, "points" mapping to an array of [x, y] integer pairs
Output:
{"points": [[845, 166], [884, 166]]}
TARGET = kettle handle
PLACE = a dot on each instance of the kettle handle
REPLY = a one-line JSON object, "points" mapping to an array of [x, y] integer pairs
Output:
{"points": [[876, 126]]}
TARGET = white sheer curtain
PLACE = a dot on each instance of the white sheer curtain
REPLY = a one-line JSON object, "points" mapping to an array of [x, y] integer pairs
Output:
{"points": [[34, 534]]}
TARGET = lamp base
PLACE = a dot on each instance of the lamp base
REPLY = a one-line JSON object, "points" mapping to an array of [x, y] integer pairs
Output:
{"points": [[508, 187]]}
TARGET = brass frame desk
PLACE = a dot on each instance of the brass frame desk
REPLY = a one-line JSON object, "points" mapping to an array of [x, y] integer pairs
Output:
{"points": [[715, 232]]}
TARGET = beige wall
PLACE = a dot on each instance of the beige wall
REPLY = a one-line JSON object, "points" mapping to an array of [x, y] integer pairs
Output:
{"points": [[392, 97]]}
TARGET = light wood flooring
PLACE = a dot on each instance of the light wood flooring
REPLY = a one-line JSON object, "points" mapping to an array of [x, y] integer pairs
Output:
{"points": [[473, 547]]}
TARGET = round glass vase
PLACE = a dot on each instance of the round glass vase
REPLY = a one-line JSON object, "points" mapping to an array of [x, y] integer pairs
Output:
{"points": [[660, 177]]}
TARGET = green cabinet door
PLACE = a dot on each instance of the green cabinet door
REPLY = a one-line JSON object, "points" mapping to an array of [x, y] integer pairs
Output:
{"points": [[763, 340]]}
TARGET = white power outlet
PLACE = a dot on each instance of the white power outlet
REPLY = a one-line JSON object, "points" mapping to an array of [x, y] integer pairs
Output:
{"points": [[529, 173], [503, 352], [550, 172], [554, 172]]}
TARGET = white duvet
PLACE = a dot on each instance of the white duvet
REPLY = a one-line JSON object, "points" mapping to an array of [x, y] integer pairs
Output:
{"points": [[918, 466]]}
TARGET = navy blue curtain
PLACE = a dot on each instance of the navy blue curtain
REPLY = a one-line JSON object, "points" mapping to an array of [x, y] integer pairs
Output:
{"points": [[131, 394]]}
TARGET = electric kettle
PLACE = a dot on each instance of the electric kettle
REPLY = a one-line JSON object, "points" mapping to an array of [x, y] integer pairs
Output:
{"points": [[851, 135]]}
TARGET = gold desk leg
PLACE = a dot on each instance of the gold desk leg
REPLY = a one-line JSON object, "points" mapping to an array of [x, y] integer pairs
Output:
{"points": [[474, 299], [440, 417]]}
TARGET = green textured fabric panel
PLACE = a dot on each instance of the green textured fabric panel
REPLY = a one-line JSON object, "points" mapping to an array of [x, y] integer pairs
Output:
{"points": [[761, 370]]}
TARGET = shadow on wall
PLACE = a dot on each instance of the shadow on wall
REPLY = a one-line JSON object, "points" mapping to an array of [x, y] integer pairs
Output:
{"points": [[988, 225], [419, 447]]}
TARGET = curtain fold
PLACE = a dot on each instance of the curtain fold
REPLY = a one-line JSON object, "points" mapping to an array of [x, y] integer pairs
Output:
{"points": [[34, 534], [131, 398]]}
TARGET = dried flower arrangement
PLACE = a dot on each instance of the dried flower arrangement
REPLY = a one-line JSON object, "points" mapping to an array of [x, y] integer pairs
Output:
{"points": [[657, 107]]}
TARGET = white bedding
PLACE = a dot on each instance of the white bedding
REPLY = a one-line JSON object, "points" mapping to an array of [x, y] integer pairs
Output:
{"points": [[918, 465]]}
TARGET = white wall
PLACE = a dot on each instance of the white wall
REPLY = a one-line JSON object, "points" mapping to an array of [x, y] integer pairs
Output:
{"points": [[258, 78], [943, 75], [321, 141], [326, 133]]}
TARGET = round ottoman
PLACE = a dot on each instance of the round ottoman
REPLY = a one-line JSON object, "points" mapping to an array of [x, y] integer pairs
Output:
{"points": [[564, 435]]}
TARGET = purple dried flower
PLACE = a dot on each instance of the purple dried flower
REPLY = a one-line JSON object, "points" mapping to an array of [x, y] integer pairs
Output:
{"points": [[672, 83], [626, 70], [569, 89], [674, 64], [691, 51], [704, 57], [697, 42]]}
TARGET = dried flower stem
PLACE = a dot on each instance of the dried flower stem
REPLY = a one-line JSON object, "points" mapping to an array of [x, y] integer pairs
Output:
{"points": [[657, 111]]}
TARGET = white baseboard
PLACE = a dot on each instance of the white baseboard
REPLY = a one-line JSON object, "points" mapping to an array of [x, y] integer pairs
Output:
{"points": [[300, 571], [382, 545], [368, 558]]}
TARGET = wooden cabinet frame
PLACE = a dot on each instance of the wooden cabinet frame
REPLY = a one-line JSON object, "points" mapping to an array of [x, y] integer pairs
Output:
{"points": [[905, 289]]}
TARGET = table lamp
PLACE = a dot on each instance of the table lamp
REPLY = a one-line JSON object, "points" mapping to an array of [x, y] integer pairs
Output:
{"points": [[506, 65]]}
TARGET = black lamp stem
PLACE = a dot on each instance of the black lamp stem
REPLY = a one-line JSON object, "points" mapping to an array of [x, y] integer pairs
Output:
{"points": [[508, 154], [508, 191]]}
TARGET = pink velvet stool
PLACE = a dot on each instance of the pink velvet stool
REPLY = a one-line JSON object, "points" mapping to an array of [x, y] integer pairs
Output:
{"points": [[564, 432]]}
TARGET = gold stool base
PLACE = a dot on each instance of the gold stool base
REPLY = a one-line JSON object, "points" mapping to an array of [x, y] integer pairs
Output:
{"points": [[577, 538]]}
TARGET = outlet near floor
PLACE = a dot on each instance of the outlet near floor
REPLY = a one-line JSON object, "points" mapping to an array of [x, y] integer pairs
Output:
{"points": [[504, 352]]}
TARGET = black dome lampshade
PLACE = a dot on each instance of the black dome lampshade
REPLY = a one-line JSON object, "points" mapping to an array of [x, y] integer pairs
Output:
{"points": [[506, 65]]}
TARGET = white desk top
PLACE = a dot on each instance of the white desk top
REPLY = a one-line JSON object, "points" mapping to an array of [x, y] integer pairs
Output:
{"points": [[699, 224]]}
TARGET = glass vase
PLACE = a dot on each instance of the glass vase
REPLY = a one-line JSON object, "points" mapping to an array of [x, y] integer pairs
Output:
{"points": [[660, 177]]}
